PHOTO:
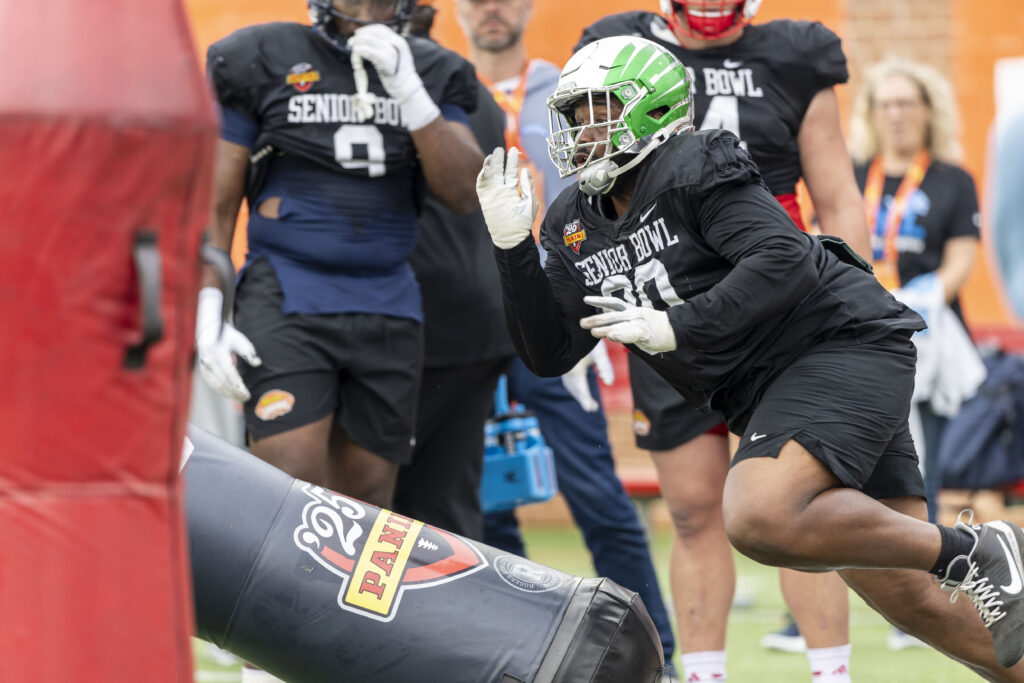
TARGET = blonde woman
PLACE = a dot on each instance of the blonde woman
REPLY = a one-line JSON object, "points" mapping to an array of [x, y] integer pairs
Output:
{"points": [[922, 208]]}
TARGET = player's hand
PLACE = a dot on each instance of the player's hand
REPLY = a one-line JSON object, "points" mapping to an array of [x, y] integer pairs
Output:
{"points": [[649, 329], [577, 381], [215, 342], [508, 198], [390, 55]]}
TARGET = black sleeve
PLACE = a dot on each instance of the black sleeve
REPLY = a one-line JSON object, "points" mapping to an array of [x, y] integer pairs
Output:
{"points": [[447, 77], [460, 88], [626, 23], [590, 34], [227, 68], [822, 53], [964, 219], [743, 223], [543, 309]]}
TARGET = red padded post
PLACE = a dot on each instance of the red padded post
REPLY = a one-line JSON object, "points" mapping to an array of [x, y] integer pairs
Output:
{"points": [[106, 147]]}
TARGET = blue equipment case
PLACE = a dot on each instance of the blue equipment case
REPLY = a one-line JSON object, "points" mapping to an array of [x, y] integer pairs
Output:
{"points": [[518, 466]]}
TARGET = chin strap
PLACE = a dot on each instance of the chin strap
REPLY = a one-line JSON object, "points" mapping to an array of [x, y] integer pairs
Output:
{"points": [[599, 177]]}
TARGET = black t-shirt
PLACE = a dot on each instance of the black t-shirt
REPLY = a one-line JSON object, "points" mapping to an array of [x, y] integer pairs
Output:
{"points": [[944, 206], [463, 317], [705, 241], [758, 88]]}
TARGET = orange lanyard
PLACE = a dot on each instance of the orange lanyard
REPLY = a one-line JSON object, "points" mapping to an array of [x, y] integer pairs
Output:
{"points": [[873, 199], [512, 104]]}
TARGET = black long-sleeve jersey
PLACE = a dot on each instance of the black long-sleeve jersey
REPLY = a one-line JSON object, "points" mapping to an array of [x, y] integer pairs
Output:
{"points": [[704, 240]]}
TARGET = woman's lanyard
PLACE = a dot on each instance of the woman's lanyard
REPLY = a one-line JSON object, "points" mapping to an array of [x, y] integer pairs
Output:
{"points": [[512, 104], [887, 266]]}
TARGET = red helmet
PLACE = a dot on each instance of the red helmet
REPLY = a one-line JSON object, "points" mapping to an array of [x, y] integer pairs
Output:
{"points": [[709, 19]]}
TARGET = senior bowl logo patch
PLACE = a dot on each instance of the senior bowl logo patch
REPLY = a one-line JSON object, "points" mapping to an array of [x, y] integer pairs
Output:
{"points": [[302, 76], [379, 555], [574, 234]]}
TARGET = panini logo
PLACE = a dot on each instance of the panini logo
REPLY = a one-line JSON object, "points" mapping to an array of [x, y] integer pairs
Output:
{"points": [[574, 234], [379, 555], [378, 573]]}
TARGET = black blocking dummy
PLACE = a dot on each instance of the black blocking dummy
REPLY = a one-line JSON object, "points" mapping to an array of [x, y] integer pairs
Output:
{"points": [[313, 587]]}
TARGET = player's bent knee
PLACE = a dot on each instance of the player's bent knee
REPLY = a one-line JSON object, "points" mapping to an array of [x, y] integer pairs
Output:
{"points": [[756, 534]]}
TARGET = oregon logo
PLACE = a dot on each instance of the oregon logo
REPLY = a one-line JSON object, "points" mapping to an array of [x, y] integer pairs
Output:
{"points": [[659, 79], [379, 554]]}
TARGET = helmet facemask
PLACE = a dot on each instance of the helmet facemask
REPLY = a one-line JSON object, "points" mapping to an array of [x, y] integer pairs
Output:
{"points": [[325, 16], [602, 129]]}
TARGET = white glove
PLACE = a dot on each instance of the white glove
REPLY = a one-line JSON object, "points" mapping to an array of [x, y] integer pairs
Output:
{"points": [[649, 329], [363, 100], [390, 55], [507, 198], [575, 381], [216, 342]]}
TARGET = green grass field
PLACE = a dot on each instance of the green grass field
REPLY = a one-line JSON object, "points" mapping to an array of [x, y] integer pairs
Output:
{"points": [[562, 548]]}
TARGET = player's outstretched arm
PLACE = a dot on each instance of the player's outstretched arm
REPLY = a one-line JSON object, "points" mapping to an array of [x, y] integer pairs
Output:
{"points": [[542, 306], [449, 154], [828, 172]]}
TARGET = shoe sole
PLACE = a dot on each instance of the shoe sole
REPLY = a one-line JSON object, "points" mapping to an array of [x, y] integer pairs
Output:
{"points": [[784, 644]]}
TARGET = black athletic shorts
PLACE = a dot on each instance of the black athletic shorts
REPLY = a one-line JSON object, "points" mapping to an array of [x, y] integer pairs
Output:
{"points": [[848, 406], [662, 419], [365, 368]]}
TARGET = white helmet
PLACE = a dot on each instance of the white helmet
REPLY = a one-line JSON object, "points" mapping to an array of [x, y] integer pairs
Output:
{"points": [[652, 86]]}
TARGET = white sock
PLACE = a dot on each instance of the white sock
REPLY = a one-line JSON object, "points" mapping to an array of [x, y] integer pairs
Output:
{"points": [[250, 675], [830, 664], [699, 667]]}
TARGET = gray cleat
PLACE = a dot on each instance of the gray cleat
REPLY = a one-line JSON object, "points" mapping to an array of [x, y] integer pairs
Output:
{"points": [[994, 583]]}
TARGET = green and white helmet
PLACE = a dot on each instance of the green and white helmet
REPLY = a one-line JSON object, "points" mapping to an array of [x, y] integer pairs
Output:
{"points": [[652, 86]]}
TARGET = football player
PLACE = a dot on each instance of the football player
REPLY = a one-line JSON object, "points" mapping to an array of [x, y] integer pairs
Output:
{"points": [[772, 85], [688, 260], [568, 408], [329, 131]]}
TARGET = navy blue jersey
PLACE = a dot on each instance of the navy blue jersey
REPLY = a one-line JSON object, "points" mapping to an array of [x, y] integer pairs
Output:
{"points": [[348, 218], [703, 240], [758, 88]]}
